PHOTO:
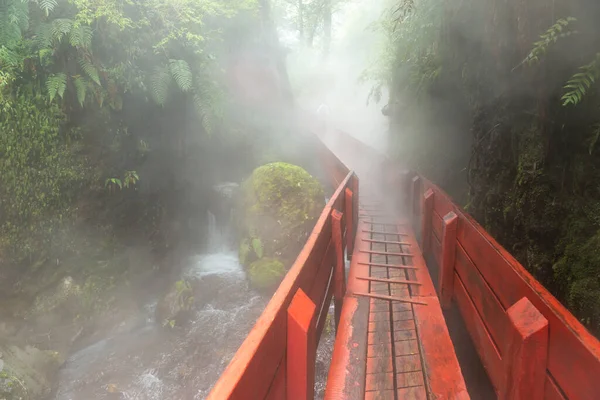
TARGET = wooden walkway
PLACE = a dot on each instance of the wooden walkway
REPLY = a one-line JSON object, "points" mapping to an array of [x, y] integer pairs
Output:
{"points": [[399, 332]]}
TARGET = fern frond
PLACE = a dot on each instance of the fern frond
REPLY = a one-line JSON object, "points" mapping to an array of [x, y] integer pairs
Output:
{"points": [[81, 37], [210, 102], [60, 28], [559, 30], [181, 72], [47, 5], [580, 82], [81, 86], [56, 85], [14, 19], [90, 70], [160, 82], [43, 35], [9, 57]]}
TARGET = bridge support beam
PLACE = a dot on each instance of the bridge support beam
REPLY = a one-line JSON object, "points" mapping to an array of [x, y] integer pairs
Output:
{"points": [[427, 211], [448, 258], [526, 353], [339, 272], [301, 348]]}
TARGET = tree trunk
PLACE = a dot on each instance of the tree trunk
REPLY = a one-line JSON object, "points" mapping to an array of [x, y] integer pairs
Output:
{"points": [[272, 41]]}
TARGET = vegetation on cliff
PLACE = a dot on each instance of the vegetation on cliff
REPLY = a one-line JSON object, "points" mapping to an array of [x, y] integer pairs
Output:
{"points": [[497, 102]]}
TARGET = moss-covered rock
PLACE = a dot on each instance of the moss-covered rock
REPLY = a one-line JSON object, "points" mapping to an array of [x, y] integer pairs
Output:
{"points": [[266, 273], [279, 206]]}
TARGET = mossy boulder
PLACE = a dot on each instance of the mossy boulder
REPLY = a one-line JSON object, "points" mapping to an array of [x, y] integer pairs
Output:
{"points": [[266, 273], [279, 206]]}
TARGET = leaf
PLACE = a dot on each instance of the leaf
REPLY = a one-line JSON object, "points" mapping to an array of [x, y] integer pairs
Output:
{"points": [[61, 27], [181, 72], [56, 85], [258, 247], [81, 37], [244, 250], [90, 70], [160, 82], [47, 5], [81, 85]]}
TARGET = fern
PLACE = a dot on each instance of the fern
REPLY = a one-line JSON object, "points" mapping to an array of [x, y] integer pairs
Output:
{"points": [[61, 27], [56, 85], [14, 19], [47, 5], [209, 101], [90, 70], [580, 82], [559, 30], [180, 70], [43, 35], [9, 57], [81, 86], [81, 37], [160, 82]]}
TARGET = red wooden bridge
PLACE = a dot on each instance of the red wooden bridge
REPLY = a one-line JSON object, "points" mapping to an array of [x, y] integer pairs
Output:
{"points": [[401, 234]]}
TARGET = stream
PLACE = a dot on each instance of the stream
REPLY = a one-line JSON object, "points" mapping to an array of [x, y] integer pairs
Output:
{"points": [[144, 361]]}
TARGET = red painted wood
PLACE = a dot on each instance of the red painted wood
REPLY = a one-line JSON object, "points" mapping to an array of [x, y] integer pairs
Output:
{"points": [[339, 273], [526, 353], [278, 388], [436, 250], [484, 299], [349, 212], [481, 338], [321, 281], [416, 195], [301, 348], [436, 224], [427, 209], [446, 272]]}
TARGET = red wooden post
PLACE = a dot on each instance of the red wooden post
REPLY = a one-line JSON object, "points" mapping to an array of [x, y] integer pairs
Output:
{"points": [[350, 229], [414, 196], [427, 211], [301, 348], [526, 353], [339, 272], [446, 271]]}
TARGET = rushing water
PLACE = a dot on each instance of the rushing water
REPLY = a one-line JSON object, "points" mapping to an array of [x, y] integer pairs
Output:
{"points": [[144, 361]]}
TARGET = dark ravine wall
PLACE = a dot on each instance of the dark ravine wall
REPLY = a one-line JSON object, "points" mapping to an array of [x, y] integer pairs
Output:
{"points": [[531, 166]]}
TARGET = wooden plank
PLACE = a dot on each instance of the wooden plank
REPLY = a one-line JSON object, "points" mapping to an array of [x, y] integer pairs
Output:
{"points": [[426, 210], [278, 388], [569, 342], [349, 212], [448, 258], [301, 348], [384, 233], [389, 298], [484, 299], [396, 281], [393, 266], [482, 340], [339, 273], [437, 224], [387, 253], [526, 353], [386, 242], [436, 250]]}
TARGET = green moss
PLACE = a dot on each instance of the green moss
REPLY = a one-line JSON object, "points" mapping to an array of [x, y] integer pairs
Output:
{"points": [[279, 206], [266, 273]]}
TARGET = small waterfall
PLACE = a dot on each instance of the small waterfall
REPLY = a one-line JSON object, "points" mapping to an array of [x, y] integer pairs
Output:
{"points": [[218, 235]]}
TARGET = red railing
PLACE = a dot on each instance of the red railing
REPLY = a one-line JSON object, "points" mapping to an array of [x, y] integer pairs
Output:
{"points": [[531, 346], [277, 359]]}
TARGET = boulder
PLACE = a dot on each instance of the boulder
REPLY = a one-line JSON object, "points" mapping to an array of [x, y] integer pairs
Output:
{"points": [[278, 208]]}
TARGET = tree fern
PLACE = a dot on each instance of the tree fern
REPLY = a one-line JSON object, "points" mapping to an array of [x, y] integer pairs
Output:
{"points": [[43, 35], [14, 19], [580, 82], [182, 74], [90, 70], [56, 85], [160, 82], [81, 86], [560, 29], [81, 36]]}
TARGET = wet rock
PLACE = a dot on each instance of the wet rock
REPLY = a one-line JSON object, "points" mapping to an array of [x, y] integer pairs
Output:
{"points": [[278, 208], [28, 372], [62, 296], [175, 306]]}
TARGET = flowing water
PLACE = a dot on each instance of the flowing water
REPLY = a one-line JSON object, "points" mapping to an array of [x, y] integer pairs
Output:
{"points": [[145, 361]]}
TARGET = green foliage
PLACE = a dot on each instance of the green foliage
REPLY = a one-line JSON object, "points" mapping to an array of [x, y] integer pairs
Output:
{"points": [[580, 82], [257, 246], [181, 72], [56, 85], [40, 176], [160, 80], [47, 5], [266, 273], [560, 29]]}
